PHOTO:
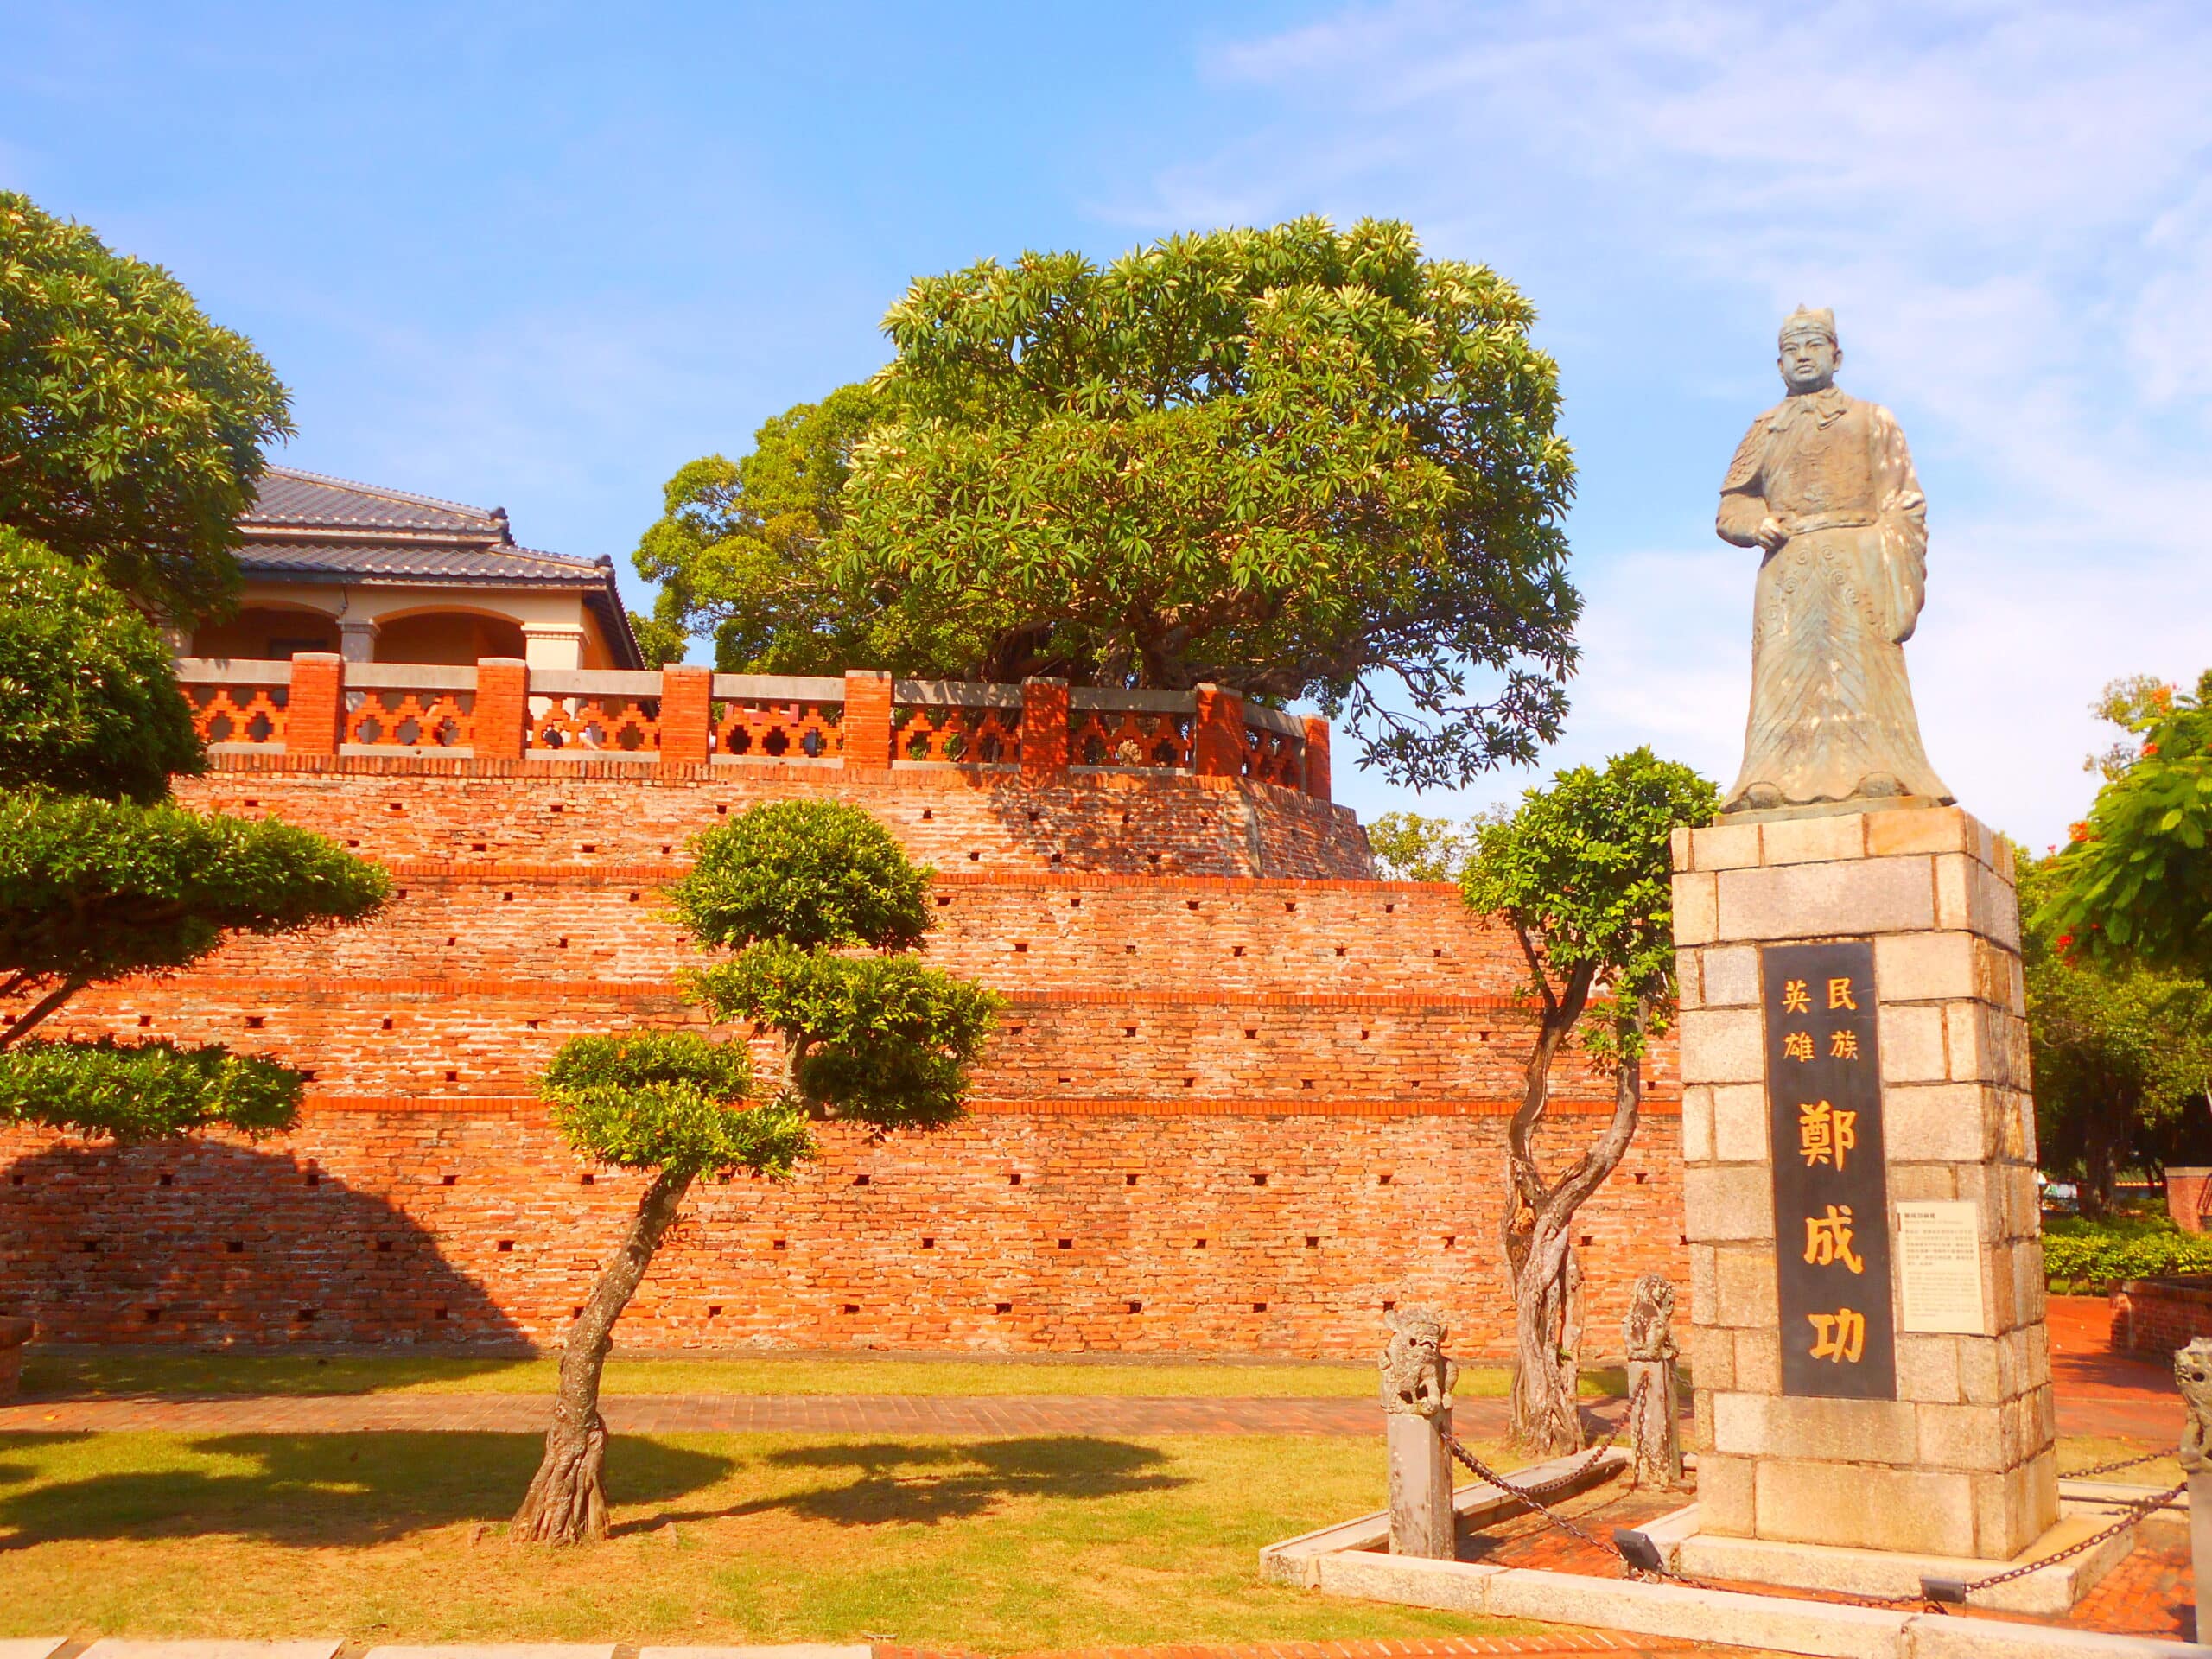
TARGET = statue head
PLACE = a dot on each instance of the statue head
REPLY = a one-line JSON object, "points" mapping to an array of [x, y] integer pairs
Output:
{"points": [[1810, 355]]}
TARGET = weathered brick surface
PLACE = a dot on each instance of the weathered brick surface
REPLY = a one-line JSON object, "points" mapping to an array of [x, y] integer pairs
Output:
{"points": [[1309, 1076]]}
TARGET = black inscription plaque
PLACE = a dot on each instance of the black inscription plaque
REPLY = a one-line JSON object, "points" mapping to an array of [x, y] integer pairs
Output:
{"points": [[1831, 1197]]}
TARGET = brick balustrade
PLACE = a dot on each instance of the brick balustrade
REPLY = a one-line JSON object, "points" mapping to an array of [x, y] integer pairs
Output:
{"points": [[317, 704]]}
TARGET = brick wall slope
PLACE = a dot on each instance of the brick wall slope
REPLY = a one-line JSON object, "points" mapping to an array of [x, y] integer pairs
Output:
{"points": [[954, 818], [1308, 1075]]}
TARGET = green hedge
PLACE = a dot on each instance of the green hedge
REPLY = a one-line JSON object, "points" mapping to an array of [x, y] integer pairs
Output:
{"points": [[2079, 1257]]}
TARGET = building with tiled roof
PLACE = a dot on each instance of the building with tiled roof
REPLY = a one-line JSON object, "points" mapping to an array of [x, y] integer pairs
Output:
{"points": [[380, 575]]}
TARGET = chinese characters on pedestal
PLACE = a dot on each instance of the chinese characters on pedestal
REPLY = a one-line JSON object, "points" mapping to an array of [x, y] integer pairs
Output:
{"points": [[1830, 1196]]}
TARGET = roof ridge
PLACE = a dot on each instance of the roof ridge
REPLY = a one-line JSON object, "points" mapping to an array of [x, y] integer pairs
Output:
{"points": [[380, 490]]}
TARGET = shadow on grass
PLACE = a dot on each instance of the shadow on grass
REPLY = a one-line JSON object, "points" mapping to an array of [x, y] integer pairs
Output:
{"points": [[307, 1490], [925, 1482]]}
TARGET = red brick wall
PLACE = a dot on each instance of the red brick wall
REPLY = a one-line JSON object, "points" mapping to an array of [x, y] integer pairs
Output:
{"points": [[2156, 1316], [1183, 1056]]}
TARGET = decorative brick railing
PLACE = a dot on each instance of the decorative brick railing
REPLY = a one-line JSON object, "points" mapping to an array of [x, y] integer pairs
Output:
{"points": [[316, 703]]}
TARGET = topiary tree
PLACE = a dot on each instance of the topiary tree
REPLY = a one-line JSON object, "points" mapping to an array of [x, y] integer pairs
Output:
{"points": [[1582, 873], [821, 907], [2134, 886], [102, 878], [131, 426]]}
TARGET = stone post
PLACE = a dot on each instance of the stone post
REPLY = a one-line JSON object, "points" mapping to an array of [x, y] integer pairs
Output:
{"points": [[1317, 757], [1655, 1397], [2193, 1372], [1866, 1290], [1044, 727], [686, 714], [502, 707], [1416, 1389], [1217, 733], [314, 706], [867, 721], [14, 1334]]}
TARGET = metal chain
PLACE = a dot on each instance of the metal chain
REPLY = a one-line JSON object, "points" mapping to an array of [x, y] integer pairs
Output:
{"points": [[2135, 1512], [1527, 1495], [2117, 1463]]}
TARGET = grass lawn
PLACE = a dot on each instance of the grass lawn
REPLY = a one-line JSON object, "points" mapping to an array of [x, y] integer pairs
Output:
{"points": [[95, 1372], [990, 1545]]}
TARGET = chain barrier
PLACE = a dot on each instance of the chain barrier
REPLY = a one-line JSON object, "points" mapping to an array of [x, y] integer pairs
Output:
{"points": [[2117, 1463], [1957, 1590]]}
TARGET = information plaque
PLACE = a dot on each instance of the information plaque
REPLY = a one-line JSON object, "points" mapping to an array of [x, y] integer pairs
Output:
{"points": [[1831, 1193], [1939, 1266]]}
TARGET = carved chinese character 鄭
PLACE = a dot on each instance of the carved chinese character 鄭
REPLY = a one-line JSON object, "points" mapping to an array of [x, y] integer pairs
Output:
{"points": [[1825, 1135], [1827, 1239], [1841, 1336]]}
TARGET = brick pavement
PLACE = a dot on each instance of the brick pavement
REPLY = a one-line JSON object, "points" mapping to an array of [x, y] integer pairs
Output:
{"points": [[2101, 1392]]}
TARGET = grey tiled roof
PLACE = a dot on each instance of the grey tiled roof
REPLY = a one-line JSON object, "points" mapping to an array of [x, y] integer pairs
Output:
{"points": [[288, 498], [419, 561]]}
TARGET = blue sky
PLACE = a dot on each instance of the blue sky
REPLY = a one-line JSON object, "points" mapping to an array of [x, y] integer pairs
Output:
{"points": [[539, 256]]}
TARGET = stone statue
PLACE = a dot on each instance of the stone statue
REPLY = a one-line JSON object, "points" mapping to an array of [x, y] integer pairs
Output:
{"points": [[1650, 1312], [1823, 485], [1417, 1379], [2193, 1376]]}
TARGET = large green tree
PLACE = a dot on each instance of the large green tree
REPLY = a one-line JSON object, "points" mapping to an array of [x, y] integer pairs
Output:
{"points": [[818, 908], [131, 427], [2134, 885], [102, 876], [1298, 462], [1581, 873]]}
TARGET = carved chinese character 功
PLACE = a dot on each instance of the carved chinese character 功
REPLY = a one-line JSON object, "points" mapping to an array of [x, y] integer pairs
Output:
{"points": [[1840, 994], [1827, 1240], [1841, 1336], [1797, 1045], [1843, 1045], [1796, 998], [1825, 1136]]}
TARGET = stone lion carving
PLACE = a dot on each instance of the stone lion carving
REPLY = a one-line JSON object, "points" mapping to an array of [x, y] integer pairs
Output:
{"points": [[1417, 1379], [2193, 1373], [1651, 1311]]}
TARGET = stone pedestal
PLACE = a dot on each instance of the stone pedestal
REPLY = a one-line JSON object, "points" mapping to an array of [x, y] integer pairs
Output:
{"points": [[1421, 1521], [14, 1332], [1902, 1403]]}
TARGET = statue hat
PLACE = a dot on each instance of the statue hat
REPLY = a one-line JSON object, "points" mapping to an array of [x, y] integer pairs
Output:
{"points": [[1805, 322]]}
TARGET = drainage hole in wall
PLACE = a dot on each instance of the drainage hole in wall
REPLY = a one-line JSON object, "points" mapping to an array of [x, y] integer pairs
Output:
{"points": [[1136, 1308], [586, 1179], [448, 1180], [715, 1309], [1014, 1179], [153, 1315], [234, 1246], [1259, 1180], [384, 1247], [849, 1307], [1312, 1242], [1067, 1243], [166, 1180], [1002, 1307], [929, 1243], [1259, 1307], [860, 1180], [506, 1245], [255, 1021], [305, 1316], [145, 1019], [778, 1244], [1127, 1180]]}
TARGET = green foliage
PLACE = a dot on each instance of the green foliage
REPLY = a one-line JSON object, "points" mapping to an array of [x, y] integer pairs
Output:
{"points": [[881, 1039], [2136, 882], [131, 427], [1581, 872], [746, 554], [1283, 460], [669, 1100], [1409, 847], [812, 873], [88, 704], [2134, 703], [2090, 1256], [93, 889], [2119, 1051], [142, 1091]]}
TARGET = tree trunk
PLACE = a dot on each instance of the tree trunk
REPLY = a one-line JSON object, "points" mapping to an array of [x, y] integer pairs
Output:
{"points": [[1547, 1277], [2097, 1165], [566, 1504]]}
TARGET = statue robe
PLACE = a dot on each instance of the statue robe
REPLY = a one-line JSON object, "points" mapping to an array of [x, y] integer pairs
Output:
{"points": [[1832, 716]]}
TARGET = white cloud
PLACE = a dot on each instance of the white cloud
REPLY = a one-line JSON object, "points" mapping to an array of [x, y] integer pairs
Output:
{"points": [[2006, 204]]}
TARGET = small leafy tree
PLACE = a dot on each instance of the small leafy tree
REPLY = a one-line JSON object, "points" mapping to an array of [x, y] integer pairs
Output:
{"points": [[101, 877], [2119, 1050], [821, 907], [1409, 847], [1581, 873], [131, 426], [2135, 884]]}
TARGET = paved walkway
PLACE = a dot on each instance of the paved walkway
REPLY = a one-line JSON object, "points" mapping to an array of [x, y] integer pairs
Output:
{"points": [[2100, 1393]]}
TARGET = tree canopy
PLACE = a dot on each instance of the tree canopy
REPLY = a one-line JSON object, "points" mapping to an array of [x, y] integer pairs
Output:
{"points": [[88, 704], [131, 426], [1297, 462], [1582, 873], [2134, 885]]}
